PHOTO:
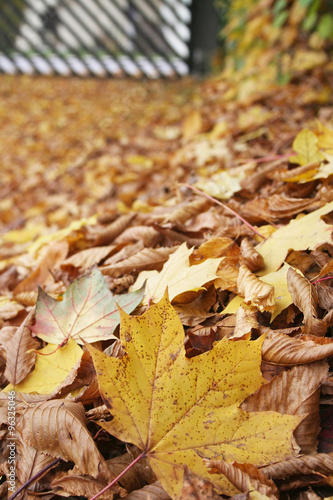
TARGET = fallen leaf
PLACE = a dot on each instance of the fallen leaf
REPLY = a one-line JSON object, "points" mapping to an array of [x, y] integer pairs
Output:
{"points": [[181, 410], [306, 145], [256, 293], [282, 297], [58, 428], [52, 367], [19, 360], [177, 275], [295, 392], [281, 349], [305, 297], [245, 477], [87, 313], [306, 232], [61, 234]]}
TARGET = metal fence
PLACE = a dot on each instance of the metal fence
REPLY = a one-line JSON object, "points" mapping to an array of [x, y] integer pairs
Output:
{"points": [[140, 38]]}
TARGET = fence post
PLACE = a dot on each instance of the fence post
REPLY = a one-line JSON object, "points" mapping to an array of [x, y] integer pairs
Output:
{"points": [[204, 35]]}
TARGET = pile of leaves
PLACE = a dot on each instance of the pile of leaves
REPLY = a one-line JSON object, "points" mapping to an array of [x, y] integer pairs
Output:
{"points": [[180, 234]]}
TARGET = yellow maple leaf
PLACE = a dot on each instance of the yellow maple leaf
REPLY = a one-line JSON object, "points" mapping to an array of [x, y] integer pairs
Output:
{"points": [[51, 368], [306, 232], [179, 410], [306, 145], [177, 275]]}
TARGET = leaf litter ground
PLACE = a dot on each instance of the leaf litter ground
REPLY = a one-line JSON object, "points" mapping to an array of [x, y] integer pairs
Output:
{"points": [[96, 180]]}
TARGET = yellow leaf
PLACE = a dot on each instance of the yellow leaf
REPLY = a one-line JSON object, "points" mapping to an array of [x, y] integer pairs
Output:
{"points": [[180, 410], [282, 295], [304, 233], [23, 235], [325, 138], [177, 275], [308, 173], [306, 145], [223, 184], [51, 369], [61, 234]]}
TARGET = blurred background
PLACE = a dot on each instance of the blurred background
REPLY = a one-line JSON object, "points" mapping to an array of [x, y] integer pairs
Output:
{"points": [[107, 37]]}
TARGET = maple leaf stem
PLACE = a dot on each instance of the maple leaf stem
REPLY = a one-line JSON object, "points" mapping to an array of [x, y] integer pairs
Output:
{"points": [[64, 342], [137, 459], [34, 478], [214, 200]]}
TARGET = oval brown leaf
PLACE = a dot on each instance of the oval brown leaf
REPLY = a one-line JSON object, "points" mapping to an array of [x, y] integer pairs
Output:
{"points": [[148, 258], [72, 483], [31, 462], [281, 349], [321, 463], [113, 230], [250, 257], [19, 361], [294, 392], [147, 234], [58, 428], [151, 491], [305, 298], [185, 211]]}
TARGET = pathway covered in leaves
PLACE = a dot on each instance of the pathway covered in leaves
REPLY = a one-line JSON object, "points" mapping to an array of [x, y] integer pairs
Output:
{"points": [[112, 192]]}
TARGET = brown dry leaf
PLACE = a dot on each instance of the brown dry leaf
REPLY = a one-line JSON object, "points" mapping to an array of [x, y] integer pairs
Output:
{"points": [[216, 247], [244, 477], [146, 259], [227, 276], [186, 210], [280, 349], [52, 256], [197, 487], [305, 297], [250, 257], [152, 491], [58, 428], [255, 292], [195, 312], [19, 361], [325, 297], [73, 483], [148, 235], [109, 233], [137, 476], [31, 462], [295, 392], [202, 338], [126, 252], [321, 463], [86, 259], [246, 320]]}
